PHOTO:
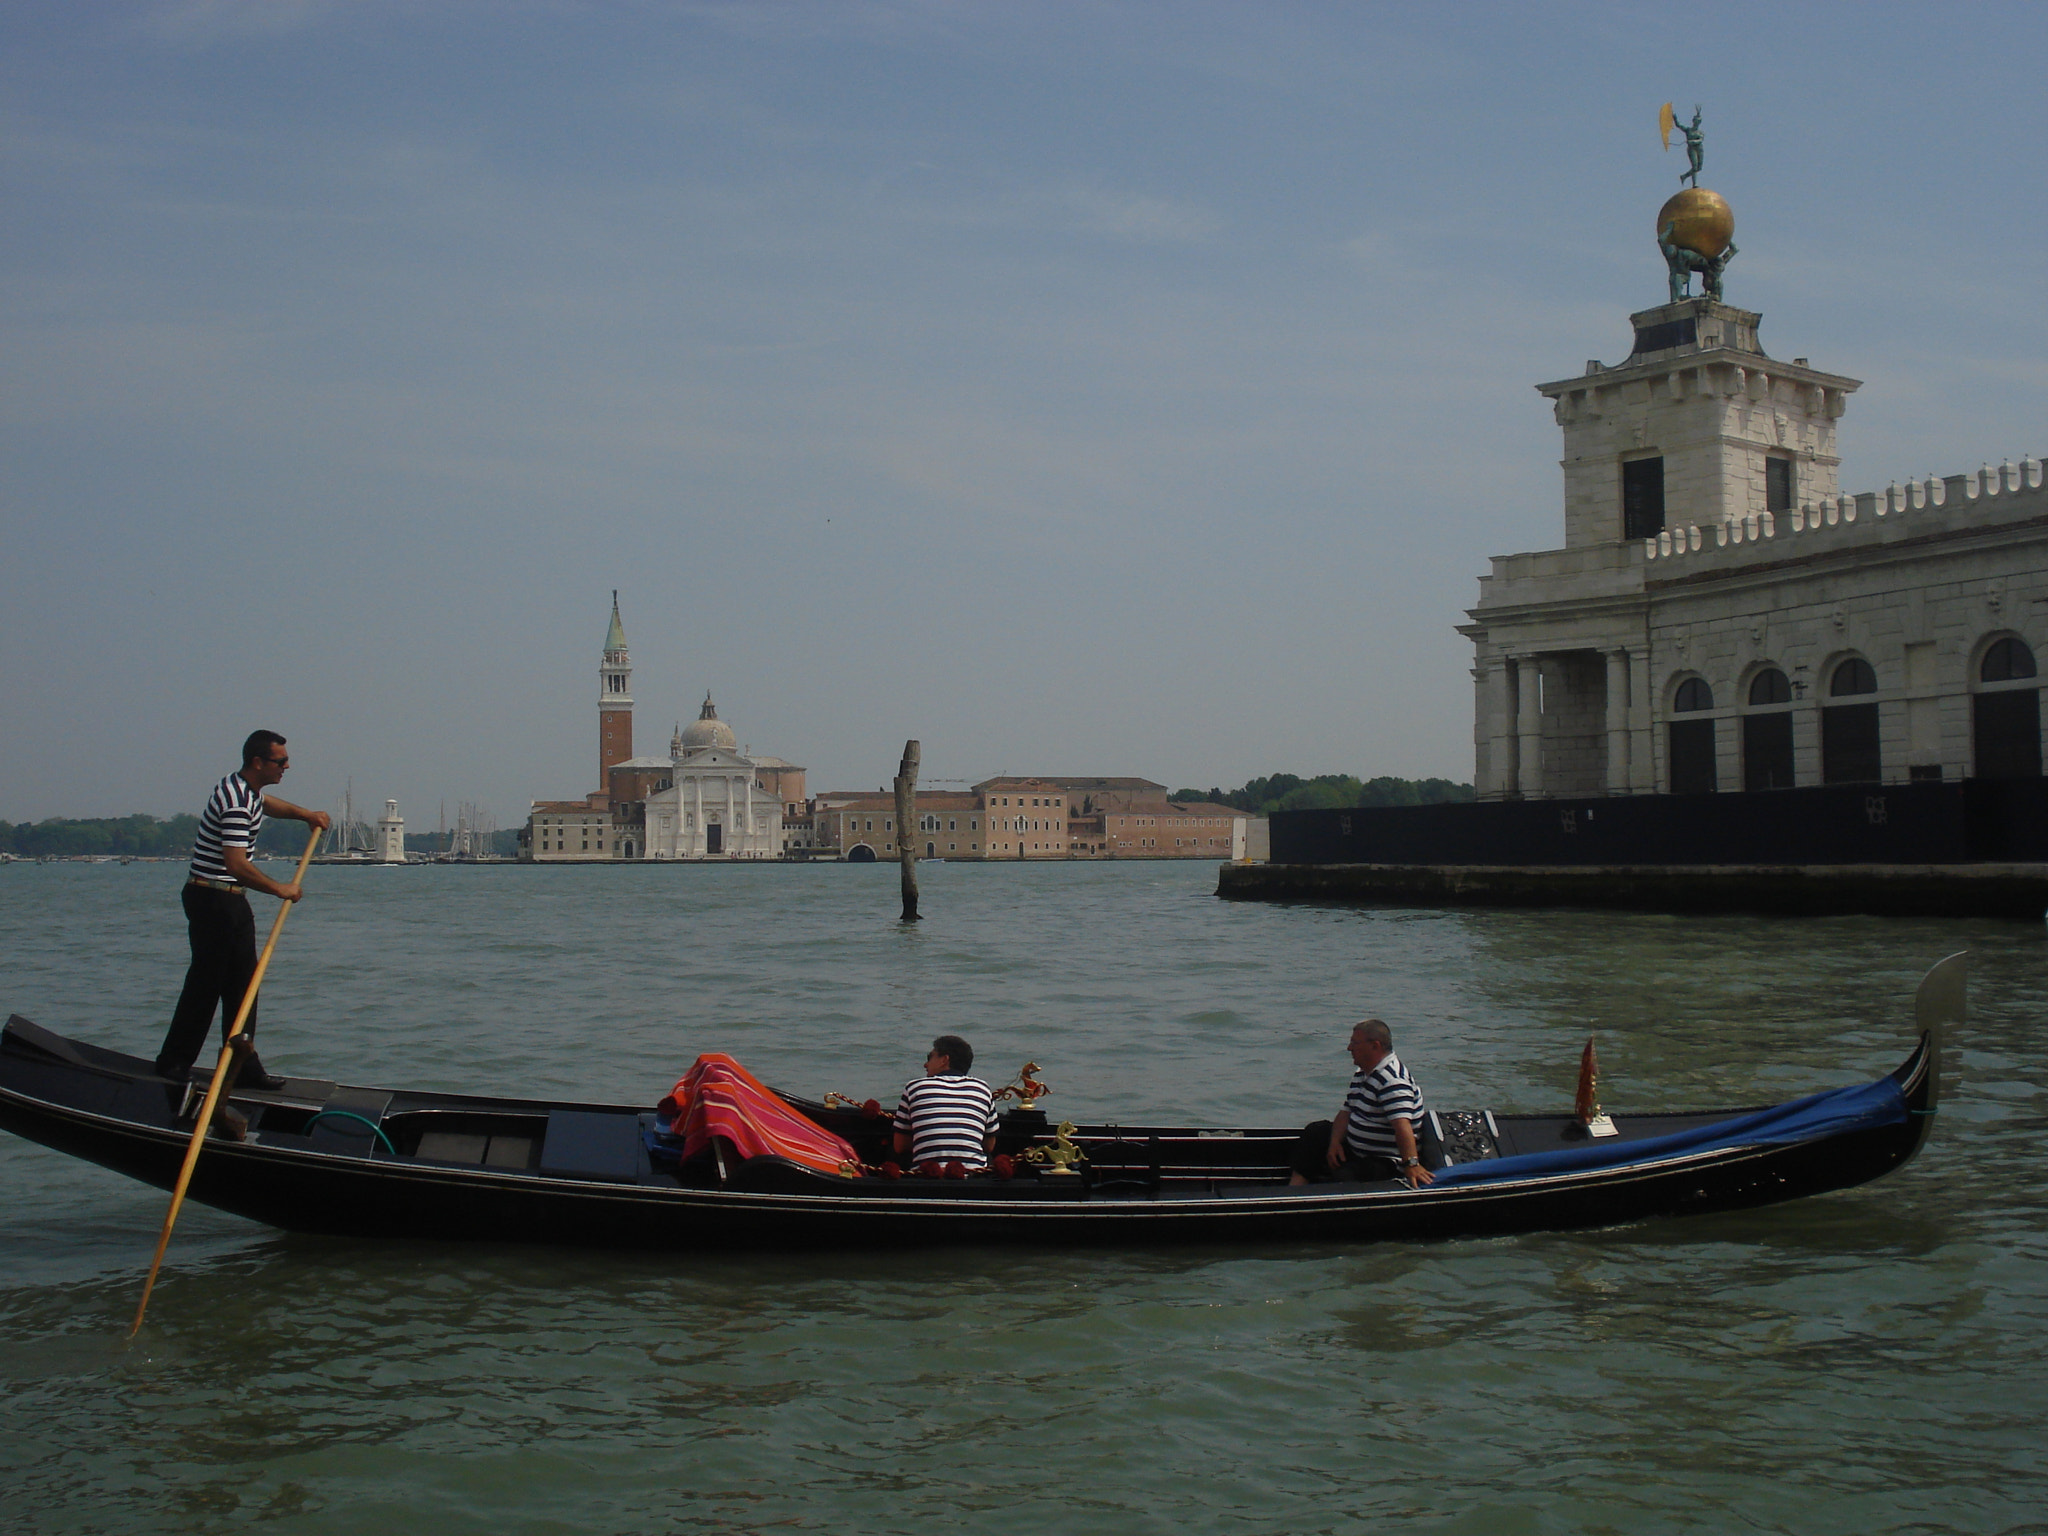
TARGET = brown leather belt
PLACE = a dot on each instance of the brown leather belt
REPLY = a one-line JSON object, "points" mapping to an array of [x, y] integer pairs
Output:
{"points": [[213, 885]]}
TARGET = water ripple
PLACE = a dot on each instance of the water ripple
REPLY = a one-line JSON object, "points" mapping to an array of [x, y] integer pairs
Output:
{"points": [[1870, 1361]]}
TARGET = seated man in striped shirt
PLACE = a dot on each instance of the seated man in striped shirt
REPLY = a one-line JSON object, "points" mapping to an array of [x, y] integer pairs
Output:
{"points": [[947, 1116], [1373, 1136]]}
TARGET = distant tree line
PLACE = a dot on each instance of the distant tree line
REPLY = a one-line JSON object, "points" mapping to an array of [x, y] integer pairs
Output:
{"points": [[142, 836], [147, 837], [1329, 791]]}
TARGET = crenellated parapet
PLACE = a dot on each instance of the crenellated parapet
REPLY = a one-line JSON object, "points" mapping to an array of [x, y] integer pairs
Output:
{"points": [[1985, 497], [1721, 617]]}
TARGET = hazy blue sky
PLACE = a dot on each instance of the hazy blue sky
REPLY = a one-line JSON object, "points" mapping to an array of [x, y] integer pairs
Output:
{"points": [[1083, 388]]}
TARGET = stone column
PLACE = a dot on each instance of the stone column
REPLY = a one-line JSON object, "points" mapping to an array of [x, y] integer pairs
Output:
{"points": [[1617, 722], [1498, 724], [729, 851], [697, 815], [1529, 729], [1642, 761], [750, 810]]}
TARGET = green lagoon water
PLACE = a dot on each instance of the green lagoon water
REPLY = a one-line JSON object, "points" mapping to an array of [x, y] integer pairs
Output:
{"points": [[1875, 1360]]}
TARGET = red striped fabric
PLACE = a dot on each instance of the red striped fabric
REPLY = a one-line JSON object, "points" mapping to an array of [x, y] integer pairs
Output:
{"points": [[719, 1097]]}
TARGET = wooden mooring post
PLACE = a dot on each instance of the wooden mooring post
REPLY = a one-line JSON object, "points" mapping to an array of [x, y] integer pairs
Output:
{"points": [[906, 826]]}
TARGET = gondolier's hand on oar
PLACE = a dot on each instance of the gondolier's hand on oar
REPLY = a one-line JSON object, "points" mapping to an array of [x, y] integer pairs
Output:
{"points": [[246, 873]]}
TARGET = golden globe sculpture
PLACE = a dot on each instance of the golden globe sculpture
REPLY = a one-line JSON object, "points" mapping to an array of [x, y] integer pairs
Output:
{"points": [[1696, 233], [1700, 221]]}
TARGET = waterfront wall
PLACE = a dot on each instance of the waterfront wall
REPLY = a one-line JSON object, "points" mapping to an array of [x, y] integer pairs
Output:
{"points": [[1927, 823]]}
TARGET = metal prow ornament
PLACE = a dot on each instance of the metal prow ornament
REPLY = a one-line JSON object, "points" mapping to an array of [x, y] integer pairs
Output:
{"points": [[1587, 1108], [1060, 1154]]}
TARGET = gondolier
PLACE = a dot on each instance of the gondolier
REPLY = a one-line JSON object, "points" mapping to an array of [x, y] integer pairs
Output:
{"points": [[216, 902]]}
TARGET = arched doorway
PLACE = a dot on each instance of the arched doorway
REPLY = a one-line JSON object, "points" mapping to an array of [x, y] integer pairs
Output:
{"points": [[1767, 732], [2005, 713], [1692, 741], [860, 853], [1848, 732]]}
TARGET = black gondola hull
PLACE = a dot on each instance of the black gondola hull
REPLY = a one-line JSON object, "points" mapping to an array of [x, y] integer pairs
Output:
{"points": [[94, 1108]]}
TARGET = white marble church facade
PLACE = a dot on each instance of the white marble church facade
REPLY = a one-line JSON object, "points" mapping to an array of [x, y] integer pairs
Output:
{"points": [[712, 806]]}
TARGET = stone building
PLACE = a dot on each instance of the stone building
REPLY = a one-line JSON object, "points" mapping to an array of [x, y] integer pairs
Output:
{"points": [[1166, 829], [1027, 817], [1721, 617], [705, 800], [1024, 818], [860, 826]]}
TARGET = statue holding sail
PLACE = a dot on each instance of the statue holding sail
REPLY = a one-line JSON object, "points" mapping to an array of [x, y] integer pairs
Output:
{"points": [[1696, 228], [1695, 141]]}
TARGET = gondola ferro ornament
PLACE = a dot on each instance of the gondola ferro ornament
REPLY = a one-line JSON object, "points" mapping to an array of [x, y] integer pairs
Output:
{"points": [[1586, 1108]]}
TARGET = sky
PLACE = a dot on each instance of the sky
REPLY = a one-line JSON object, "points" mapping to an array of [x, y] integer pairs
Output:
{"points": [[1077, 388]]}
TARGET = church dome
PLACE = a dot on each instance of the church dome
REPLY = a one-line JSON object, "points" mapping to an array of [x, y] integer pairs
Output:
{"points": [[707, 730]]}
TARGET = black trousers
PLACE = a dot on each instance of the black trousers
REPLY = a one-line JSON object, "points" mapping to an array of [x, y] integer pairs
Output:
{"points": [[1312, 1160], [223, 934]]}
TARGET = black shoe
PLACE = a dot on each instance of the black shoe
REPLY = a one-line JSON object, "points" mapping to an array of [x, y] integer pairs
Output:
{"points": [[261, 1082]]}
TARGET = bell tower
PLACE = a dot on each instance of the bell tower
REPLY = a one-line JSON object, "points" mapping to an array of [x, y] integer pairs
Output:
{"points": [[614, 702]]}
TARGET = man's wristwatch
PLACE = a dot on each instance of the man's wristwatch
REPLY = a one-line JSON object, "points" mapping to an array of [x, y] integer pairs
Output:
{"points": [[1411, 1162]]}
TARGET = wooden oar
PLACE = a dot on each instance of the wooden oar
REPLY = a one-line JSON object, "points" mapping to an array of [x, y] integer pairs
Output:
{"points": [[213, 1091]]}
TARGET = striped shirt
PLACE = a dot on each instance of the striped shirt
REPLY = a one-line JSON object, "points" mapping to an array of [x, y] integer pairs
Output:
{"points": [[232, 818], [1377, 1098], [949, 1118]]}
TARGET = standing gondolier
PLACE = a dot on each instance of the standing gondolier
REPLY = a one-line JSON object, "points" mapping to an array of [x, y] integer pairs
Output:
{"points": [[217, 916]]}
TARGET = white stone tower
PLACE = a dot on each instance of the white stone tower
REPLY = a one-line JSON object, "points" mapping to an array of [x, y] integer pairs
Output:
{"points": [[614, 702], [1696, 427], [391, 834]]}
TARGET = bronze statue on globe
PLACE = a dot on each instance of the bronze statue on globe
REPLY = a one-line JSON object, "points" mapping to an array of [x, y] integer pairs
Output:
{"points": [[1695, 148], [1696, 228]]}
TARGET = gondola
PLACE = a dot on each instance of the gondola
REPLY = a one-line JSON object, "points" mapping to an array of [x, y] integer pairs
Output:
{"points": [[388, 1163]]}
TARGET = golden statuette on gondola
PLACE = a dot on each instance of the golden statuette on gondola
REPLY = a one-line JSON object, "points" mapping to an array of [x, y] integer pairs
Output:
{"points": [[1027, 1090], [1060, 1154]]}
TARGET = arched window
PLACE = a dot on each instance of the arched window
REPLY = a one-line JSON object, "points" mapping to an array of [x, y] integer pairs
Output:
{"points": [[1849, 732], [2007, 661], [1692, 741], [1769, 687], [2005, 713], [1767, 733]]}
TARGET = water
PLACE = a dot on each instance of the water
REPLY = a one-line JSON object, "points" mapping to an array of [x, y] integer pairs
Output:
{"points": [[1875, 1360]]}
